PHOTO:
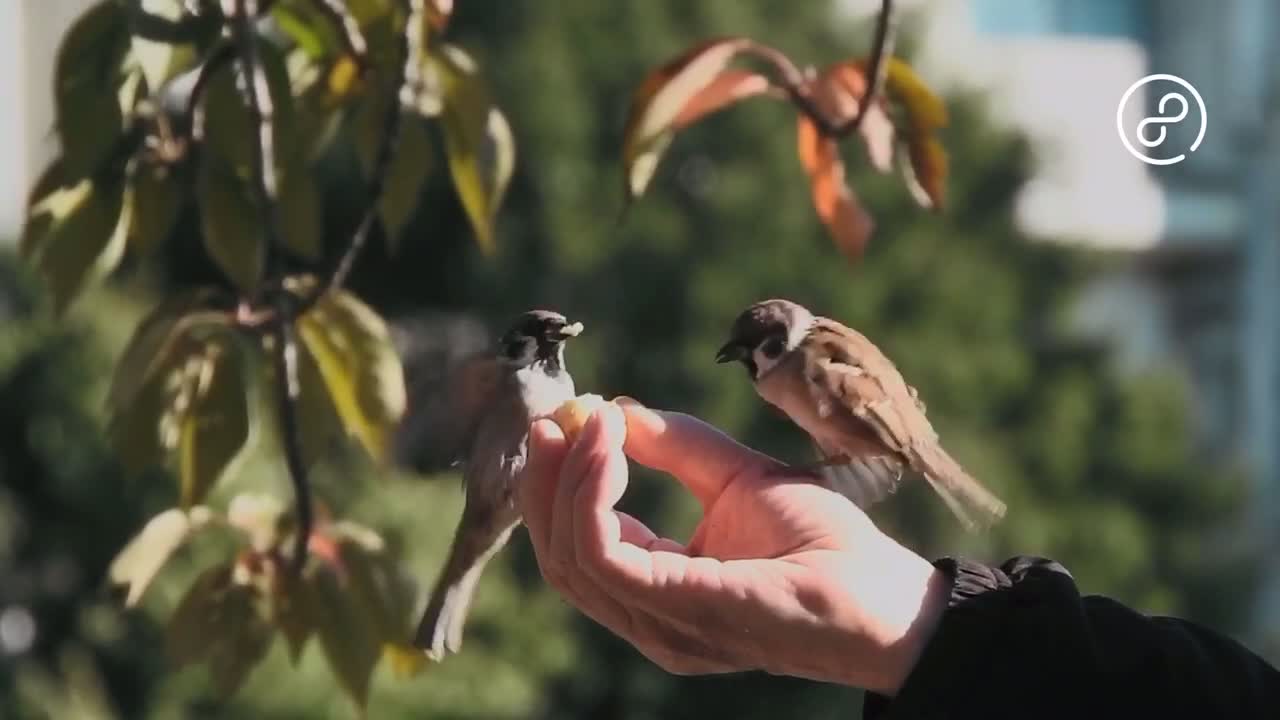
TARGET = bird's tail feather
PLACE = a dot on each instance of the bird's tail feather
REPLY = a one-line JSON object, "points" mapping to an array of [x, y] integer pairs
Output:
{"points": [[976, 506], [441, 628]]}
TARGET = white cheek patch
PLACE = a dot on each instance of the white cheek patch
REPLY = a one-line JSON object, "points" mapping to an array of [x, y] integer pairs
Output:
{"points": [[763, 362]]}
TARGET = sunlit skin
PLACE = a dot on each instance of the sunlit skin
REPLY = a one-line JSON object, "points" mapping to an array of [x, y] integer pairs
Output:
{"points": [[780, 575]]}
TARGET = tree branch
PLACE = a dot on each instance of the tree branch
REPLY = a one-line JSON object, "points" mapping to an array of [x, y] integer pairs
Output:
{"points": [[796, 85], [186, 30], [285, 351], [880, 52], [284, 359], [407, 82]]}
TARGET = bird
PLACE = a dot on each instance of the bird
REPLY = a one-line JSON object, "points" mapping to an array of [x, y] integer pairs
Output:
{"points": [[478, 418], [867, 426]]}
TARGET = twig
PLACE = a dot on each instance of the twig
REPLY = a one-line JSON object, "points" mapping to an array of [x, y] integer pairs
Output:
{"points": [[284, 358], [285, 352], [880, 52], [407, 83], [796, 85], [352, 38]]}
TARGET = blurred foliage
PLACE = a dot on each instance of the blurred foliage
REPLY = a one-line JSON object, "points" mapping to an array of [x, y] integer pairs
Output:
{"points": [[1100, 471]]}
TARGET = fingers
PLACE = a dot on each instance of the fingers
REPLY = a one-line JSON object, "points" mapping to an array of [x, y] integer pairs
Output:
{"points": [[598, 557], [537, 486], [697, 454]]}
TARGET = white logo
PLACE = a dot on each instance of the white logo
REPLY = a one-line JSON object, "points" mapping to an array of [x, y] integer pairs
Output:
{"points": [[1159, 121]]}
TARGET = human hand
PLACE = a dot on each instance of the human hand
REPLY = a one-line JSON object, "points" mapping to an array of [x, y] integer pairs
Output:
{"points": [[781, 574]]}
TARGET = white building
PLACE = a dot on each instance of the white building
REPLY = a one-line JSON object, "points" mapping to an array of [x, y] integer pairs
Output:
{"points": [[1203, 287]]}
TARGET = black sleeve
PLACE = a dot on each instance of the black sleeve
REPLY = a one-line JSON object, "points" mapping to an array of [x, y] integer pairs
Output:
{"points": [[1020, 641]]}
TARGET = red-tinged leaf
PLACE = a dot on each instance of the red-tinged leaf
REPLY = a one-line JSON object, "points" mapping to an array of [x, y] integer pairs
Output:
{"points": [[725, 89], [438, 13], [848, 223], [661, 99]]}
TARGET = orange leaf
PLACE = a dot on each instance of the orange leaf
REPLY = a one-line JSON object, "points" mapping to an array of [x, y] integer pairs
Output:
{"points": [[839, 91], [847, 221], [663, 99]]}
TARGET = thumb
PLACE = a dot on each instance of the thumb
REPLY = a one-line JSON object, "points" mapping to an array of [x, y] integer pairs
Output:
{"points": [[703, 458]]}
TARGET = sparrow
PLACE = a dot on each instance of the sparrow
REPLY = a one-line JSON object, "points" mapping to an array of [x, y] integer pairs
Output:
{"points": [[867, 425], [480, 420]]}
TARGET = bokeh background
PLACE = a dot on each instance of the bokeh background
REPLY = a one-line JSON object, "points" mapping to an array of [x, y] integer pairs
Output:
{"points": [[1096, 338]]}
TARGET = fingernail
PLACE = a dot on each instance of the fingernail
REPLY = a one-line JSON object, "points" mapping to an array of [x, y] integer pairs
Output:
{"points": [[628, 401]]}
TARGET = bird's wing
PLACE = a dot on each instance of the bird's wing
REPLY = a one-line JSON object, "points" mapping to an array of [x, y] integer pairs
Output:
{"points": [[441, 419], [845, 370], [866, 480]]}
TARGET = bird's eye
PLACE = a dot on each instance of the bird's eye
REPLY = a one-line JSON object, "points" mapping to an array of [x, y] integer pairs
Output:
{"points": [[773, 347]]}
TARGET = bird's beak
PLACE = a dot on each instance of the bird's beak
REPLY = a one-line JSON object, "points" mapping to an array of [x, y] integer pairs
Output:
{"points": [[729, 352], [573, 330]]}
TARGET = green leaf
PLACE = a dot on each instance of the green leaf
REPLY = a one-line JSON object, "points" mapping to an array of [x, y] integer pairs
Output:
{"points": [[229, 131], [385, 596], [300, 221], [87, 75], [232, 225], [348, 637], [215, 428], [155, 200], [74, 236], [292, 612], [478, 141], [153, 342], [352, 349], [37, 223], [319, 426], [161, 61], [410, 165], [320, 429], [368, 12], [142, 559], [143, 431], [218, 622], [300, 22]]}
